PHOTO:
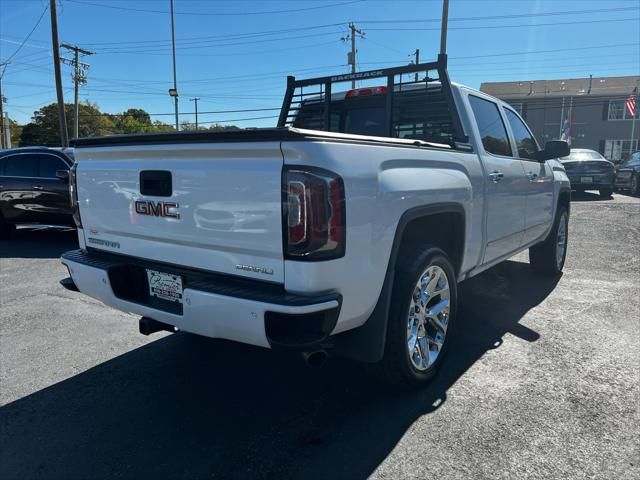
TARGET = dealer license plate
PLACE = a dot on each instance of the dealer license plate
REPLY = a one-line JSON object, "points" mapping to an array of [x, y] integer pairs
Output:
{"points": [[166, 286], [586, 179]]}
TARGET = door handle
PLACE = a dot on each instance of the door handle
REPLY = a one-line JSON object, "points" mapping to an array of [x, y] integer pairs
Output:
{"points": [[38, 187], [532, 176], [496, 176]]}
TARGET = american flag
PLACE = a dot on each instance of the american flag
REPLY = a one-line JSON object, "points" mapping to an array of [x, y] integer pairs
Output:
{"points": [[630, 103]]}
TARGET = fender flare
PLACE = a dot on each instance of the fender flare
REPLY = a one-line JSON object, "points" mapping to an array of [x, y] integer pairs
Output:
{"points": [[367, 342]]}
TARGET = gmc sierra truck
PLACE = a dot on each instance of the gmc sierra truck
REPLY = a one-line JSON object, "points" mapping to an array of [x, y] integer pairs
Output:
{"points": [[346, 229]]}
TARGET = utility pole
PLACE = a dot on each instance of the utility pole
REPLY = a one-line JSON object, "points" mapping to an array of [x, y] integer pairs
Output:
{"points": [[417, 55], [62, 118], [174, 91], [79, 77], [195, 99], [2, 132], [351, 57]]}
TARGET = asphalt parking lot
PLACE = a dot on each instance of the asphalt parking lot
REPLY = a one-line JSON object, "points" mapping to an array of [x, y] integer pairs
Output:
{"points": [[543, 381]]}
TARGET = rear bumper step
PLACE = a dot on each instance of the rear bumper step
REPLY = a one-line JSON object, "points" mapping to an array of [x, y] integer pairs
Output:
{"points": [[212, 305], [69, 284], [148, 326]]}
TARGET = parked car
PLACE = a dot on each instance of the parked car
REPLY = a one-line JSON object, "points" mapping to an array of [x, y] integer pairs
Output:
{"points": [[349, 238], [588, 170], [34, 188], [628, 175]]}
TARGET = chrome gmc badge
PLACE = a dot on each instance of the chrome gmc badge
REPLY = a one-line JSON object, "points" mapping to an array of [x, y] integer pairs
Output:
{"points": [[157, 209]]}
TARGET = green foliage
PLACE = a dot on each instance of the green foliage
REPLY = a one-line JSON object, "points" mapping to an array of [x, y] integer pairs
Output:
{"points": [[44, 127], [44, 130]]}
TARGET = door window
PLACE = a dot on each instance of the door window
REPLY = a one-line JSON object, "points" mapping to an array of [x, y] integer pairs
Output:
{"points": [[492, 129], [21, 166], [525, 143], [49, 164]]}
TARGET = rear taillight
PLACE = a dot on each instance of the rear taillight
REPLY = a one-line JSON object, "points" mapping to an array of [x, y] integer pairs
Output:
{"points": [[314, 214], [73, 193]]}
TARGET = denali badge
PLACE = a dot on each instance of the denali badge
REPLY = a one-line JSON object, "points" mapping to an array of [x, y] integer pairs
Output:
{"points": [[250, 268], [157, 209], [104, 243]]}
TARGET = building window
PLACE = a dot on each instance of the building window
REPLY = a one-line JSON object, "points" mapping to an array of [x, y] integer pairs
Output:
{"points": [[517, 107], [618, 110], [619, 149]]}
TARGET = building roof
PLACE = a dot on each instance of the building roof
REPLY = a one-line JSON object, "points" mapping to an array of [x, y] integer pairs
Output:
{"points": [[600, 86]]}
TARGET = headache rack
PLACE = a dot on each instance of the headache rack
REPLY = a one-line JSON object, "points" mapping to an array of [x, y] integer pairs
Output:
{"points": [[411, 111]]}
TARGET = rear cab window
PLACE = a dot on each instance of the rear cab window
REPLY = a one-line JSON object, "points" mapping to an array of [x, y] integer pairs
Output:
{"points": [[491, 127], [420, 114]]}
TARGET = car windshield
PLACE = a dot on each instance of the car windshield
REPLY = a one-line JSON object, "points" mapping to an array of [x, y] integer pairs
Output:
{"points": [[582, 155]]}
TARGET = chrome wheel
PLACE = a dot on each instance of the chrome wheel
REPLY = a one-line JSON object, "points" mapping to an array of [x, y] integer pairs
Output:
{"points": [[428, 317], [561, 242]]}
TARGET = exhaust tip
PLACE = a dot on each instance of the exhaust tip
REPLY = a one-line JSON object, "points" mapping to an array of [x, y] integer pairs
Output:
{"points": [[316, 358]]}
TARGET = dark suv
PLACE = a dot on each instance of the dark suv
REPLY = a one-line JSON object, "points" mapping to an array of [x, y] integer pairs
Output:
{"points": [[34, 188]]}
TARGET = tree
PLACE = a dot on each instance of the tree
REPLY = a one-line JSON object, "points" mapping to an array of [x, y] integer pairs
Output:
{"points": [[216, 127], [136, 120], [139, 115], [187, 126], [44, 127]]}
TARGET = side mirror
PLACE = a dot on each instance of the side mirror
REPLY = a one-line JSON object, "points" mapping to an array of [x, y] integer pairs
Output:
{"points": [[62, 175], [554, 149]]}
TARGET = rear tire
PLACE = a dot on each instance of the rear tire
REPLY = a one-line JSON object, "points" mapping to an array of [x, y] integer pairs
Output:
{"points": [[421, 318], [548, 257], [606, 192]]}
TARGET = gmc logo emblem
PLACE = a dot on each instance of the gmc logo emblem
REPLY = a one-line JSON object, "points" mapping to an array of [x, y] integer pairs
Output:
{"points": [[157, 209]]}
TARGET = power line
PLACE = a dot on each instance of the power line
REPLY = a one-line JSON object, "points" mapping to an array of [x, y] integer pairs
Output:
{"points": [[484, 27], [29, 35], [235, 54], [314, 27], [503, 17], [199, 14], [201, 44], [198, 44], [228, 36], [546, 51]]}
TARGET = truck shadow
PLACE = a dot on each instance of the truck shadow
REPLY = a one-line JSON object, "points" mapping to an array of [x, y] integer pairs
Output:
{"points": [[590, 196], [38, 243], [186, 407]]}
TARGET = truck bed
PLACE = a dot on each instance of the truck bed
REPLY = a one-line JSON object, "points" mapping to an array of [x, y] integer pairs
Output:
{"points": [[274, 134]]}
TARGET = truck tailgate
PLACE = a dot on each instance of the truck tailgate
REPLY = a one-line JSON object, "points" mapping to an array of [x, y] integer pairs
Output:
{"points": [[226, 196]]}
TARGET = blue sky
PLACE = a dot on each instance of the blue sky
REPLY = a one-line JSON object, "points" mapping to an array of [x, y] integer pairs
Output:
{"points": [[235, 55]]}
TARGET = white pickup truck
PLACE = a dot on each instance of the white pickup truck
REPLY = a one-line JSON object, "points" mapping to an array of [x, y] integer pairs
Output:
{"points": [[344, 230]]}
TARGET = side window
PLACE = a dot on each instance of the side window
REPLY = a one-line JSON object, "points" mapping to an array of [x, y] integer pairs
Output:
{"points": [[492, 129], [49, 164], [525, 143], [21, 166]]}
